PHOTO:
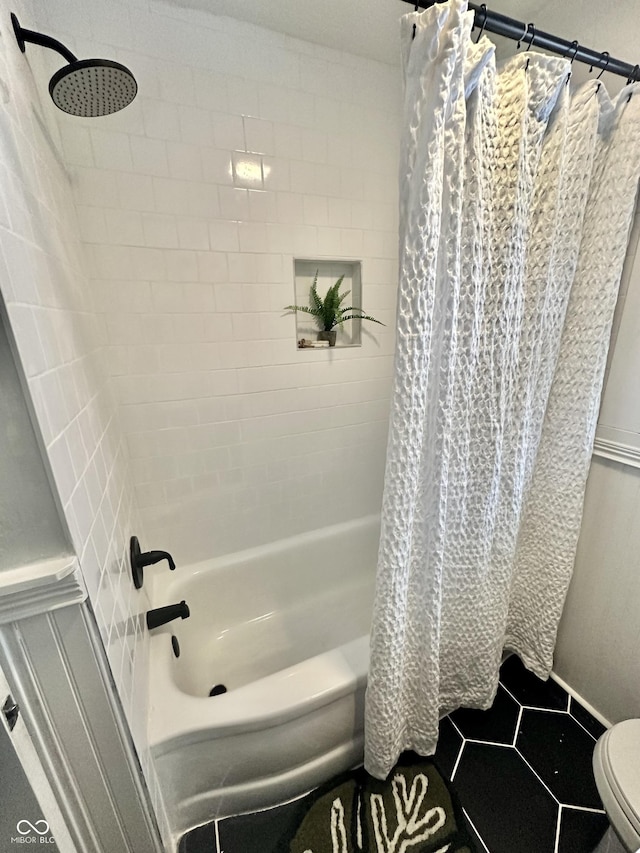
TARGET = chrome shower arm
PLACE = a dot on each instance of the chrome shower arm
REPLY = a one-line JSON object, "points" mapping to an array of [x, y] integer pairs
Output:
{"points": [[33, 37]]}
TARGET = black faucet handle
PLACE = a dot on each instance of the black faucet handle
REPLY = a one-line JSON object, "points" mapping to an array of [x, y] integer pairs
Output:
{"points": [[140, 559], [148, 558]]}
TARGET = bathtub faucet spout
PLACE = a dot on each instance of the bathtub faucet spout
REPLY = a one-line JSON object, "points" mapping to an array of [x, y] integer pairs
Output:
{"points": [[162, 615]]}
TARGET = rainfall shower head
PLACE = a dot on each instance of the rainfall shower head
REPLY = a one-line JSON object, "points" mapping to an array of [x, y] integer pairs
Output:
{"points": [[84, 87], [93, 87]]}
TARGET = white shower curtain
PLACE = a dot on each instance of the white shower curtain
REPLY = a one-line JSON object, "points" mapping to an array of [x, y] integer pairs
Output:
{"points": [[516, 202]]}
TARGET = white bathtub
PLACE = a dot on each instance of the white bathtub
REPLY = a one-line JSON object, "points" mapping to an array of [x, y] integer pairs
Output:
{"points": [[285, 628]]}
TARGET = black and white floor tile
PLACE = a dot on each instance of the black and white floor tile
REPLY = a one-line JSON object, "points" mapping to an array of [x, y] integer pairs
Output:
{"points": [[522, 771]]}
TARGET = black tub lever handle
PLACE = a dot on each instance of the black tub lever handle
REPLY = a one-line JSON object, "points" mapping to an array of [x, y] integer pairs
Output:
{"points": [[151, 557], [140, 559]]}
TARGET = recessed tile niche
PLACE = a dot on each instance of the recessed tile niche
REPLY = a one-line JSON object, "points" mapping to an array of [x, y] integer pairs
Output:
{"points": [[329, 271]]}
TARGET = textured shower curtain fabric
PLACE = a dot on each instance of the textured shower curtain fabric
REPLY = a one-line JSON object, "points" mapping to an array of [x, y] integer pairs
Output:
{"points": [[516, 200]]}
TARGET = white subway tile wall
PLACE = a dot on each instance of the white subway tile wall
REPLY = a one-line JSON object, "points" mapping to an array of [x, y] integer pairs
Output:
{"points": [[244, 149], [58, 335]]}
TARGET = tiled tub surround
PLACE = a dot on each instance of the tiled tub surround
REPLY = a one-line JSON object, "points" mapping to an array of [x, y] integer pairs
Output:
{"points": [[236, 437], [50, 307], [293, 656], [522, 771]]}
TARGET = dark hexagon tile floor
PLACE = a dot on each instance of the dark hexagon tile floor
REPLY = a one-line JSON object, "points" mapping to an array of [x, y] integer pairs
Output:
{"points": [[260, 832], [497, 725], [580, 830], [529, 690], [200, 840], [511, 810], [522, 771], [449, 743], [559, 750], [593, 726]]}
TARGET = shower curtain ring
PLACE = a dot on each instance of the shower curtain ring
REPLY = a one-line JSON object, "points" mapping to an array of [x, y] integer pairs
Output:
{"points": [[602, 56], [533, 34], [634, 76], [524, 32], [574, 44], [483, 6]]}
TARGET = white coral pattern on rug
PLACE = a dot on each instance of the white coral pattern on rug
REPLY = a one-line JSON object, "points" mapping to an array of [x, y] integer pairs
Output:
{"points": [[414, 824], [339, 838]]}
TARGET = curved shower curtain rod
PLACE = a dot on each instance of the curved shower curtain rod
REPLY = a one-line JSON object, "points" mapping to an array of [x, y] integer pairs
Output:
{"points": [[531, 35]]}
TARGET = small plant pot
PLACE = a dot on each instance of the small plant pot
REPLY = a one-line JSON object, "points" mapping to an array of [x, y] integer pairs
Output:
{"points": [[328, 336]]}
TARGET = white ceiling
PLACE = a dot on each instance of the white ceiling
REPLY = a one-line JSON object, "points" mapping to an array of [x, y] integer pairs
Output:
{"points": [[370, 27], [364, 27]]}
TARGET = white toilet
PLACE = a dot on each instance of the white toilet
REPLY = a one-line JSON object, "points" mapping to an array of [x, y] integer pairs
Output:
{"points": [[616, 767]]}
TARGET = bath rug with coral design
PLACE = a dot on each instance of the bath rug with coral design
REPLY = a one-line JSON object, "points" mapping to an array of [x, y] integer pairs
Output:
{"points": [[413, 811]]}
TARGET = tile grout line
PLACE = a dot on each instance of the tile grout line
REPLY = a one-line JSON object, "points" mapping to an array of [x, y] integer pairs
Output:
{"points": [[509, 693], [555, 846], [490, 743], [518, 723], [539, 778], [455, 766], [456, 728], [537, 707], [582, 809], [475, 829], [546, 710]]}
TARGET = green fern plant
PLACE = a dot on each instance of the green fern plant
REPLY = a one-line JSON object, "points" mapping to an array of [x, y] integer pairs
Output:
{"points": [[329, 312]]}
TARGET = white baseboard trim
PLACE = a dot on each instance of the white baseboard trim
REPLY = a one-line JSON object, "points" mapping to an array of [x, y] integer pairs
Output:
{"points": [[586, 705]]}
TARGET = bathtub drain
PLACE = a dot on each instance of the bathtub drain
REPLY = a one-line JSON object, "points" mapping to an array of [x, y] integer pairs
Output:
{"points": [[217, 690], [175, 645]]}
